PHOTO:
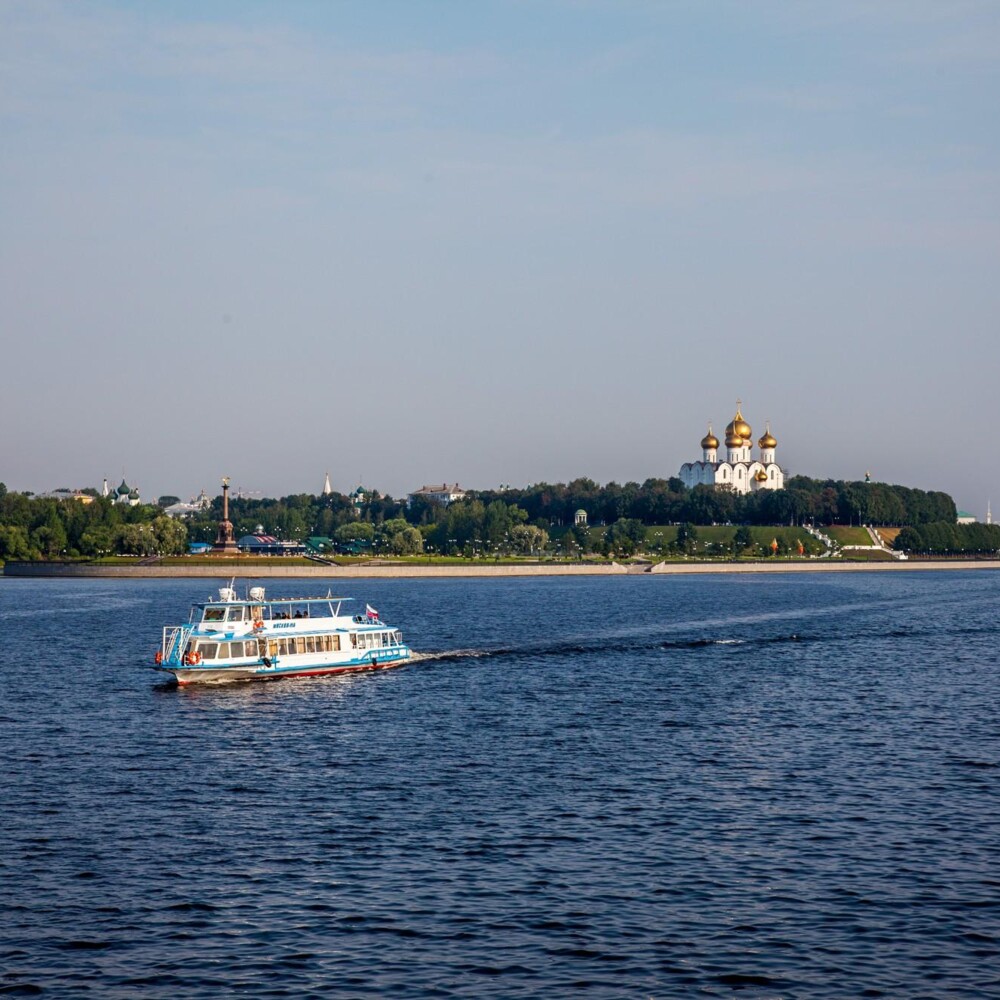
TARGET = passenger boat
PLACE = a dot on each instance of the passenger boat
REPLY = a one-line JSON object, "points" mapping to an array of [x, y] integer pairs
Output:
{"points": [[258, 638]]}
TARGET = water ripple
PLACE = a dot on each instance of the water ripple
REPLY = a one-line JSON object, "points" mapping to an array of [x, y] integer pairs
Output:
{"points": [[620, 788]]}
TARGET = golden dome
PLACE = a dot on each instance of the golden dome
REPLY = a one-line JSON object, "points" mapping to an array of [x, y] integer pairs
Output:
{"points": [[709, 440], [739, 427], [761, 476], [733, 440], [767, 441]]}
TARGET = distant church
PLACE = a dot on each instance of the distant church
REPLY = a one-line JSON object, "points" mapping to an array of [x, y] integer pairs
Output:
{"points": [[125, 494], [740, 472]]}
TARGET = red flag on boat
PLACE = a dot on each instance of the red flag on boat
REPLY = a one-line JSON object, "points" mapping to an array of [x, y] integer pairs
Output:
{"points": [[371, 612]]}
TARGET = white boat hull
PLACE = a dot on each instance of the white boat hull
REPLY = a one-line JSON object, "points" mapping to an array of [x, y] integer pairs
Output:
{"points": [[224, 675]]}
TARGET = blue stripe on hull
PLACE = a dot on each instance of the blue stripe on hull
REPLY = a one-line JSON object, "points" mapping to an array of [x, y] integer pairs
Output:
{"points": [[216, 675]]}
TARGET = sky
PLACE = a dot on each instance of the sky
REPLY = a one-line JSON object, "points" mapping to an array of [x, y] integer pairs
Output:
{"points": [[501, 242]]}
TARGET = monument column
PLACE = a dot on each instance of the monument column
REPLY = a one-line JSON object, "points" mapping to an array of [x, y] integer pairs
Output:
{"points": [[225, 543]]}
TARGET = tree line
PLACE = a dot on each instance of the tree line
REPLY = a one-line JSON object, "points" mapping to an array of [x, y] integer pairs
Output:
{"points": [[44, 528], [944, 538], [512, 520], [667, 501]]}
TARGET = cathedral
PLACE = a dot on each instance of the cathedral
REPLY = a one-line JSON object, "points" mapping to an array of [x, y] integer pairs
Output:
{"points": [[125, 494], [740, 472]]}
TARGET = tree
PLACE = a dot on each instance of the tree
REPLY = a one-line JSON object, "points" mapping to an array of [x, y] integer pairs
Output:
{"points": [[356, 531], [742, 540], [908, 540], [625, 536], [528, 539], [687, 536], [14, 542], [136, 540], [401, 538], [50, 536], [170, 536], [569, 544]]}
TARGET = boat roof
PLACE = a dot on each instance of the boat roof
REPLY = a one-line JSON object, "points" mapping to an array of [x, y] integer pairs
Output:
{"points": [[270, 600]]}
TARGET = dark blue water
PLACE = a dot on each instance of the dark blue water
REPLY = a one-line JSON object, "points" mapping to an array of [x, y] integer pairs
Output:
{"points": [[641, 787]]}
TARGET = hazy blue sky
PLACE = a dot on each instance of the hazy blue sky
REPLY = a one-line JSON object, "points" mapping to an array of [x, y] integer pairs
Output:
{"points": [[497, 242]]}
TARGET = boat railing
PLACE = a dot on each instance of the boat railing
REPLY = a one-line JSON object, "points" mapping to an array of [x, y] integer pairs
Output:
{"points": [[171, 637]]}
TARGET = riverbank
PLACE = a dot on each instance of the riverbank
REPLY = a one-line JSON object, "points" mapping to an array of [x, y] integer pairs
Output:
{"points": [[402, 570]]}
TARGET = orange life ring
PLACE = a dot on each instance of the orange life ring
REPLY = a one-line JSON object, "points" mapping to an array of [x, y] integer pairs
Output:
{"points": [[159, 657], [195, 658], [258, 623]]}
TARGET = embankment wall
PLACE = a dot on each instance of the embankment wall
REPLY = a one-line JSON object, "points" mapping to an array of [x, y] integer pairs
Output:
{"points": [[37, 569]]}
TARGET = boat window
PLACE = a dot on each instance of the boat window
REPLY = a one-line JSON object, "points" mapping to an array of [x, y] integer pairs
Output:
{"points": [[300, 644], [207, 650], [399, 637], [310, 644], [236, 614], [215, 614]]}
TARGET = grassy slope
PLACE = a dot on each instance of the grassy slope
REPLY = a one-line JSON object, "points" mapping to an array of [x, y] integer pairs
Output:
{"points": [[843, 534]]}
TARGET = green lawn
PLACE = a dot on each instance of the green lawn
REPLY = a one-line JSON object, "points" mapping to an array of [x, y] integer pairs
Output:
{"points": [[844, 534], [871, 555], [658, 536]]}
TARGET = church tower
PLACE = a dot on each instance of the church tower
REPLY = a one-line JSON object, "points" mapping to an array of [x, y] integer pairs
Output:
{"points": [[767, 444], [739, 437], [709, 446]]}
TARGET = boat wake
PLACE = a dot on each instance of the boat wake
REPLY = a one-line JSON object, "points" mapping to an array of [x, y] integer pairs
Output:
{"points": [[584, 647], [451, 654]]}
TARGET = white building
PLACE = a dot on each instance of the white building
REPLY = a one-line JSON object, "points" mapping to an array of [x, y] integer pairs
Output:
{"points": [[740, 471], [194, 506], [443, 494]]}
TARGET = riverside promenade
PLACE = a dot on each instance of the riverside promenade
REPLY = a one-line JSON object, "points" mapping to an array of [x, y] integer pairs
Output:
{"points": [[226, 568]]}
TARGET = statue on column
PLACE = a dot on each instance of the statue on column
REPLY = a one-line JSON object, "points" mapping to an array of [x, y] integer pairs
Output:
{"points": [[225, 542]]}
